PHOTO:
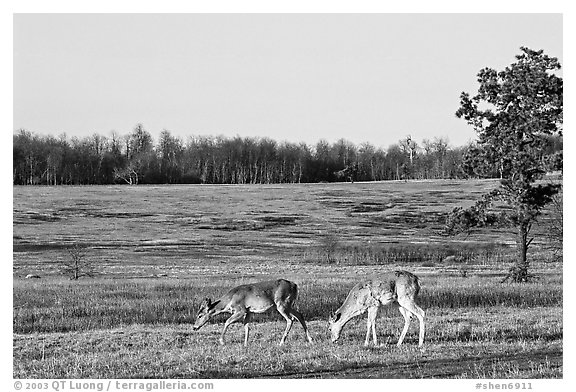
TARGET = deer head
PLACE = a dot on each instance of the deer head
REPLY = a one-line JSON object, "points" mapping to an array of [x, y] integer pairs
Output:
{"points": [[335, 326], [206, 311]]}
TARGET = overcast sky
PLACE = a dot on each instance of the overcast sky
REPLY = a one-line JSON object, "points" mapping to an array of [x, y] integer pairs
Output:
{"points": [[297, 77]]}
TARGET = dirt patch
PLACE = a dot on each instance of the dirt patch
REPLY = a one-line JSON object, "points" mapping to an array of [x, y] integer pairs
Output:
{"points": [[131, 215], [260, 223], [34, 218], [371, 207]]}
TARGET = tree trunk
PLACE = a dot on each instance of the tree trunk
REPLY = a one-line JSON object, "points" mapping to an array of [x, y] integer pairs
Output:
{"points": [[519, 272], [76, 268], [522, 262]]}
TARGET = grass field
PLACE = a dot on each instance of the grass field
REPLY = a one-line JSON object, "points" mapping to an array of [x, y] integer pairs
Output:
{"points": [[160, 250]]}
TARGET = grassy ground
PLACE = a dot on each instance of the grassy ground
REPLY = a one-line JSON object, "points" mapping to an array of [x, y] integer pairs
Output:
{"points": [[114, 328], [59, 305], [463, 343], [164, 229], [161, 250]]}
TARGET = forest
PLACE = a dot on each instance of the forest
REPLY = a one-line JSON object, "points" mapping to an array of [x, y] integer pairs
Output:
{"points": [[136, 158]]}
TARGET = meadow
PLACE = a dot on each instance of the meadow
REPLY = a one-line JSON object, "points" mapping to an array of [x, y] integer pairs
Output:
{"points": [[159, 250]]}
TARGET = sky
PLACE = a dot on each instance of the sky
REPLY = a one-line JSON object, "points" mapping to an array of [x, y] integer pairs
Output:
{"points": [[292, 77]]}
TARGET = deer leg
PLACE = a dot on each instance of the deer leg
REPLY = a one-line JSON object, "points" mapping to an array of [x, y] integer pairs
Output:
{"points": [[300, 318], [407, 317], [371, 326], [247, 318], [289, 323], [419, 313], [235, 317], [374, 326]]}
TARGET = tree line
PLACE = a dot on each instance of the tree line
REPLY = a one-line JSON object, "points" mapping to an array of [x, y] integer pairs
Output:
{"points": [[135, 158]]}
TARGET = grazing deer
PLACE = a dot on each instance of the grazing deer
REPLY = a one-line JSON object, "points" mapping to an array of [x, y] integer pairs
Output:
{"points": [[244, 300], [400, 287]]}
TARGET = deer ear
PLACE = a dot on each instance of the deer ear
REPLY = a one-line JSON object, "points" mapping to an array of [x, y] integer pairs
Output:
{"points": [[213, 305], [205, 302], [335, 317]]}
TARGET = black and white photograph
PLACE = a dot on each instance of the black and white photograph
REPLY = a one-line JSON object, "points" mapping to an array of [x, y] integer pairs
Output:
{"points": [[200, 197]]}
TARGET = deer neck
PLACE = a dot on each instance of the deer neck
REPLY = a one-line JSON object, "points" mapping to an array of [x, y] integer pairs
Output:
{"points": [[352, 307]]}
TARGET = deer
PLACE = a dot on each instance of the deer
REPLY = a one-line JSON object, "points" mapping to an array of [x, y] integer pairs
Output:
{"points": [[400, 288], [245, 300]]}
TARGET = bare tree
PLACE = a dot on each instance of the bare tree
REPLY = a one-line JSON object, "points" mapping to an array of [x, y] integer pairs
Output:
{"points": [[127, 174], [328, 247], [78, 265], [409, 146]]}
